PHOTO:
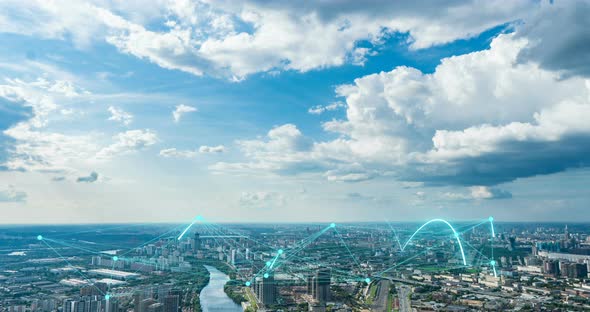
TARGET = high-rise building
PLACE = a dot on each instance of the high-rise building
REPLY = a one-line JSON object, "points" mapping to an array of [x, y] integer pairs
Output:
{"points": [[551, 267], [137, 297], [197, 242], [318, 285], [91, 304], [172, 303], [266, 290]]}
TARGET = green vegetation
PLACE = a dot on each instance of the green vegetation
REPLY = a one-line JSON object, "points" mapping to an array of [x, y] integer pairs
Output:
{"points": [[251, 298], [233, 289], [373, 289]]}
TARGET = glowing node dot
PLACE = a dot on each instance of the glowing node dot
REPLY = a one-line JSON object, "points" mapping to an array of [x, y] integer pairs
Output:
{"points": [[367, 280], [199, 217], [267, 263], [39, 237], [107, 297], [280, 251], [491, 219], [265, 275], [115, 258], [493, 262], [248, 284], [333, 225], [457, 235]]}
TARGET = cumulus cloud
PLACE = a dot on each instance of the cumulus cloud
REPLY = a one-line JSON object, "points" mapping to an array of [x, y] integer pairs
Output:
{"points": [[558, 38], [176, 153], [482, 118], [11, 195], [182, 110], [236, 38], [479, 192], [204, 149], [32, 146], [120, 115], [92, 177], [484, 192], [128, 141]]}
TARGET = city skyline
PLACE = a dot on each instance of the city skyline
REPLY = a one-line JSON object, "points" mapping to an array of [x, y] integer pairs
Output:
{"points": [[341, 267], [252, 112]]}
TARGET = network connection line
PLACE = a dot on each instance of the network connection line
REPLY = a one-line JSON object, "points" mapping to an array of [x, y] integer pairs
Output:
{"points": [[491, 219], [293, 251], [348, 249], [42, 239], [452, 229], [291, 260], [197, 218], [493, 262], [279, 253], [395, 235]]}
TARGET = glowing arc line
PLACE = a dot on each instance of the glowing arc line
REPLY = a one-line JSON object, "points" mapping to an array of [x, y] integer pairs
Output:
{"points": [[188, 227], [452, 229]]}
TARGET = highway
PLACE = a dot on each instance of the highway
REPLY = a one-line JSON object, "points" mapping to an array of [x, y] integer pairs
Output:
{"points": [[380, 300], [405, 304]]}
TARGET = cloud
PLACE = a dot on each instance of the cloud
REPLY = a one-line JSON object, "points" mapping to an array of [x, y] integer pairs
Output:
{"points": [[484, 192], [204, 149], [479, 192], [479, 119], [558, 37], [58, 179], [420, 195], [88, 179], [32, 146], [234, 39], [262, 200], [173, 152], [11, 195], [120, 115], [181, 110], [319, 109], [128, 141]]}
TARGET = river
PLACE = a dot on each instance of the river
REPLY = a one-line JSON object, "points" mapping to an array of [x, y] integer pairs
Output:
{"points": [[213, 298]]}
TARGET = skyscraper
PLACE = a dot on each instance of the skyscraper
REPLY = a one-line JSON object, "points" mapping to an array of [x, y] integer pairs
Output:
{"points": [[137, 297], [172, 301], [318, 285], [266, 290], [196, 242]]}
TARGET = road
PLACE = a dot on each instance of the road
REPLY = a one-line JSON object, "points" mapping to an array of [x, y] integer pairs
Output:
{"points": [[405, 304], [380, 300]]}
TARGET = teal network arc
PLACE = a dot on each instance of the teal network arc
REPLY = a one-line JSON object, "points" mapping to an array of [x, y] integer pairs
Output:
{"points": [[452, 229]]}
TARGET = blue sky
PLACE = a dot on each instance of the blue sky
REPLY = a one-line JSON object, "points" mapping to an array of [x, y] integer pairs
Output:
{"points": [[248, 111]]}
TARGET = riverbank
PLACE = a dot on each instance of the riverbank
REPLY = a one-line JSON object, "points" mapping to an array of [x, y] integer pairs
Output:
{"points": [[213, 296]]}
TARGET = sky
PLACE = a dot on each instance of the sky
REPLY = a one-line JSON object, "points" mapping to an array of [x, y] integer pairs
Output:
{"points": [[284, 111]]}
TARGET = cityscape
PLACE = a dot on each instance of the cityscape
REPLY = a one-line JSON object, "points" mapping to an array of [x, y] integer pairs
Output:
{"points": [[486, 265], [294, 155]]}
